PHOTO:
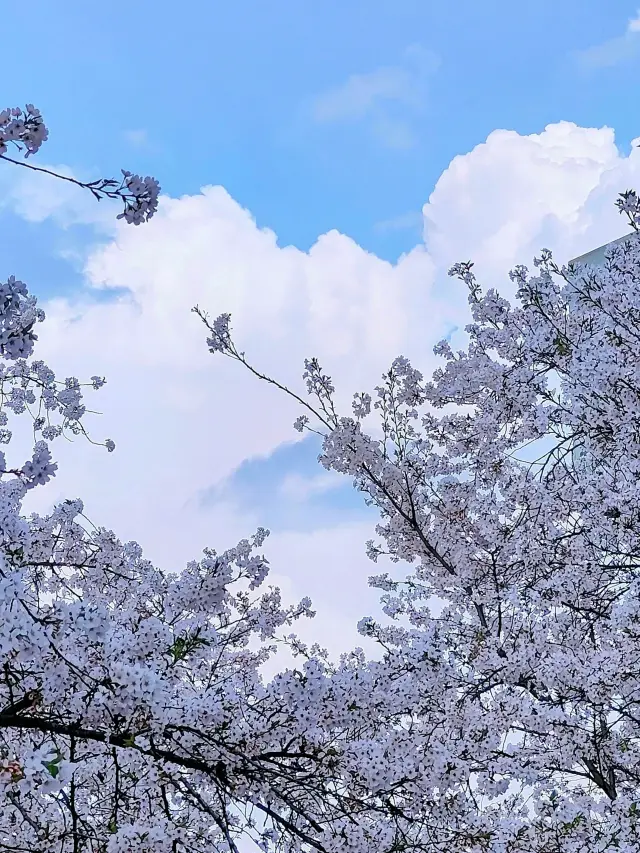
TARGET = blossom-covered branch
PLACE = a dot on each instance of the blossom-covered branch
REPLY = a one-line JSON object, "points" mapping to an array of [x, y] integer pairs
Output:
{"points": [[25, 130]]}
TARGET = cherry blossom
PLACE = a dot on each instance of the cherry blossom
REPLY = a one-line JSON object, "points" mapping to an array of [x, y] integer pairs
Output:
{"points": [[511, 665]]}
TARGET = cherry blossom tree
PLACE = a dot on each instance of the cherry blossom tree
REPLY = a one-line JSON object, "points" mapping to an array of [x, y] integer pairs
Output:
{"points": [[503, 714], [133, 714], [512, 666]]}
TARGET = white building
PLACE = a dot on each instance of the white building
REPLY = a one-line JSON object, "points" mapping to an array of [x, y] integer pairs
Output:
{"points": [[596, 256]]}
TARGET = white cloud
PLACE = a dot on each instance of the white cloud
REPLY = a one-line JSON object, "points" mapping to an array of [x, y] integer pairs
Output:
{"points": [[183, 419], [374, 96], [513, 195], [633, 25], [39, 196], [361, 93], [613, 51]]}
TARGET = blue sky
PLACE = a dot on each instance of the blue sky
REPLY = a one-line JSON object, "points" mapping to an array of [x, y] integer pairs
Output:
{"points": [[321, 120], [290, 491], [209, 92]]}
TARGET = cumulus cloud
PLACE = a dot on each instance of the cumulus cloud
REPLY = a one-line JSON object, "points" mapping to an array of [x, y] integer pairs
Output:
{"points": [[614, 51], [386, 98], [513, 195], [184, 420]]}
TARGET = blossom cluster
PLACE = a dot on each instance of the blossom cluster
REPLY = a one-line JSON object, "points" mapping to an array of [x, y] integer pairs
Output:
{"points": [[140, 197], [56, 407], [23, 128]]}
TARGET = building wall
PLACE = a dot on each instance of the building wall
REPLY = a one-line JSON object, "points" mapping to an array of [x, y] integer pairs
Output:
{"points": [[596, 256]]}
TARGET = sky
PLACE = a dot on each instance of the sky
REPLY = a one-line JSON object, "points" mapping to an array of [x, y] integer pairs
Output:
{"points": [[322, 167]]}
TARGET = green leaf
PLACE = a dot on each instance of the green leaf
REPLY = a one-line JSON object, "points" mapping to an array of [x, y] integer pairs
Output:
{"points": [[52, 766], [183, 646], [562, 347]]}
